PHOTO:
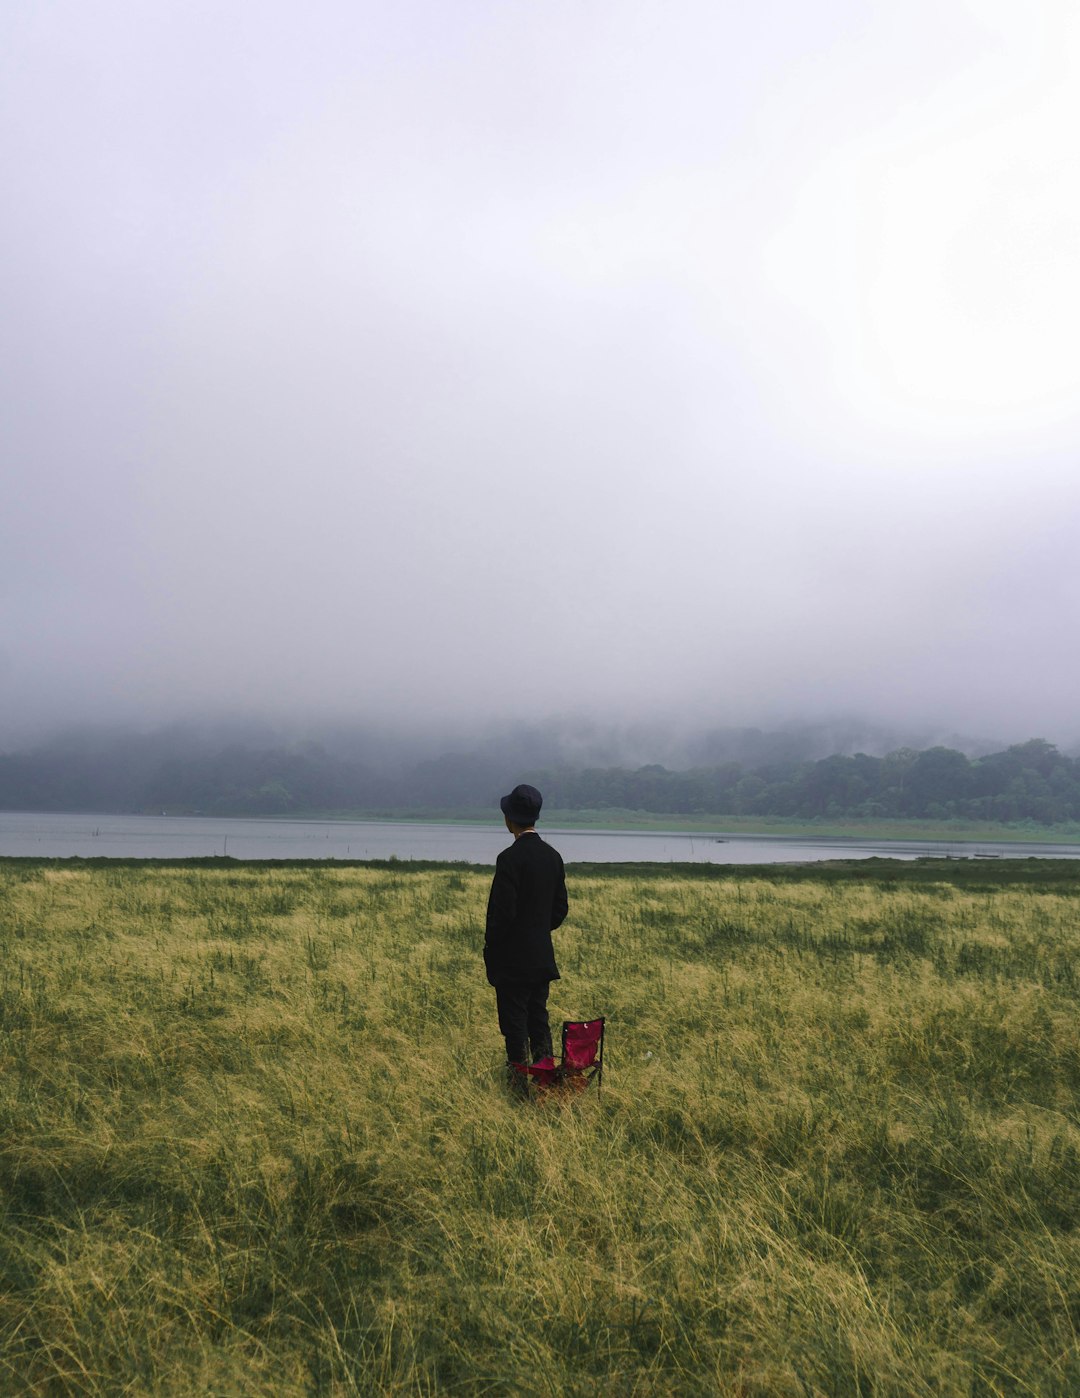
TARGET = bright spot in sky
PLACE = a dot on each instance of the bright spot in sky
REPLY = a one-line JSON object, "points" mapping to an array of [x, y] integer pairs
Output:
{"points": [[938, 254]]}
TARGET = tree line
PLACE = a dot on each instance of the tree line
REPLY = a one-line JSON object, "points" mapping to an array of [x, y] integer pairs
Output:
{"points": [[1028, 781], [1031, 781]]}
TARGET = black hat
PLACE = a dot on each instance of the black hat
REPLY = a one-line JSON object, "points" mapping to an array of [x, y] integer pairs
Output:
{"points": [[522, 806]]}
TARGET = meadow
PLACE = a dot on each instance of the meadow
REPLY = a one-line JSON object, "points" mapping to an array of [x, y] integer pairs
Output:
{"points": [[255, 1137]]}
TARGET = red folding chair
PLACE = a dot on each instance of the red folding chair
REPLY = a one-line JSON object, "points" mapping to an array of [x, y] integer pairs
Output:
{"points": [[582, 1058], [583, 1052]]}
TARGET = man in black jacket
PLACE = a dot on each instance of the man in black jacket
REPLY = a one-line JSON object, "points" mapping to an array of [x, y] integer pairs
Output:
{"points": [[527, 902]]}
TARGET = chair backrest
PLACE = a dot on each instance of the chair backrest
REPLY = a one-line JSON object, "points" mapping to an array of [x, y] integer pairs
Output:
{"points": [[583, 1047]]}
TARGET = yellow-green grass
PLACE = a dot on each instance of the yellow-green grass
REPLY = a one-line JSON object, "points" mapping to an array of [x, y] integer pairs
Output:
{"points": [[255, 1137]]}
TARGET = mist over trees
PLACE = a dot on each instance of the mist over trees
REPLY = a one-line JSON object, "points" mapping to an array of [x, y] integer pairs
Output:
{"points": [[737, 772], [1028, 781]]}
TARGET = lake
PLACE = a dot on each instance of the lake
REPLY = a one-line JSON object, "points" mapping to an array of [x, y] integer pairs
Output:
{"points": [[184, 837]]}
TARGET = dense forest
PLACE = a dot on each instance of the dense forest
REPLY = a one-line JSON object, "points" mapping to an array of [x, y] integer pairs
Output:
{"points": [[1031, 781]]}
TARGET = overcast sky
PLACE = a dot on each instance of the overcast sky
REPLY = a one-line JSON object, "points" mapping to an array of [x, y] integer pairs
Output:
{"points": [[425, 360]]}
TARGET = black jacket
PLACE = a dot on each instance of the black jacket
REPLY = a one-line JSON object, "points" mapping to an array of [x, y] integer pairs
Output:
{"points": [[527, 902]]}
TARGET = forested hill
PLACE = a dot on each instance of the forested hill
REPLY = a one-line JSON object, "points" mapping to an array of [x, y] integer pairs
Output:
{"points": [[1029, 781]]}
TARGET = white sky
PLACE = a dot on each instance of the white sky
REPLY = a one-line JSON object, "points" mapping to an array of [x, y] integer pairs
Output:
{"points": [[414, 360]]}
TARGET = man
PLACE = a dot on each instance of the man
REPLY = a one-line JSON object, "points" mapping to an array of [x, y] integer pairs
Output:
{"points": [[527, 902]]}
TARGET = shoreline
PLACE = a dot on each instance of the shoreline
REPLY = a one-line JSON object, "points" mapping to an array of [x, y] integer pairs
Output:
{"points": [[716, 826]]}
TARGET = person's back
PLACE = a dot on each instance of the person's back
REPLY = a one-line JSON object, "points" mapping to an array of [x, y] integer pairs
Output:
{"points": [[527, 902]]}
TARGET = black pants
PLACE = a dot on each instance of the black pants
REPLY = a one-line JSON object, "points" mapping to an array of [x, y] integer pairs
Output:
{"points": [[523, 1017]]}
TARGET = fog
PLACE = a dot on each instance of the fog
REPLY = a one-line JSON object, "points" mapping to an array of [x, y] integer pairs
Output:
{"points": [[438, 366]]}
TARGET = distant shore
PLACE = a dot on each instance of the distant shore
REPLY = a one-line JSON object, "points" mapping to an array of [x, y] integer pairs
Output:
{"points": [[968, 831]]}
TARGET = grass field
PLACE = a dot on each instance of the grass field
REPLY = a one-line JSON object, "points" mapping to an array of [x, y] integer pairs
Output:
{"points": [[255, 1139]]}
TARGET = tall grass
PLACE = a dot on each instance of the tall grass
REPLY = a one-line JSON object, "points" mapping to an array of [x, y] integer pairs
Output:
{"points": [[255, 1138]]}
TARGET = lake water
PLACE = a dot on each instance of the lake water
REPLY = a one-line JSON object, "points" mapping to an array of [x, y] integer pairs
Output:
{"points": [[184, 837]]}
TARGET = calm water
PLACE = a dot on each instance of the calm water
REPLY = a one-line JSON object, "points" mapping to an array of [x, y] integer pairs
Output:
{"points": [[180, 837]]}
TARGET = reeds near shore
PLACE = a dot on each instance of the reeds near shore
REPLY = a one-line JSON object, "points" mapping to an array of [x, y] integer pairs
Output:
{"points": [[255, 1139]]}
